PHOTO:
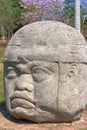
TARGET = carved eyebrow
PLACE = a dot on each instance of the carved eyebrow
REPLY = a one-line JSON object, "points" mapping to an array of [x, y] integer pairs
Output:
{"points": [[23, 59]]}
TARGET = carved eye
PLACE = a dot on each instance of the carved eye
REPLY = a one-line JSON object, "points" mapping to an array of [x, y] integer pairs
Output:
{"points": [[11, 73], [41, 73]]}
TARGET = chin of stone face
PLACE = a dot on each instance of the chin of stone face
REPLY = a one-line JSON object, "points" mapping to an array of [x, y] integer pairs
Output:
{"points": [[45, 73]]}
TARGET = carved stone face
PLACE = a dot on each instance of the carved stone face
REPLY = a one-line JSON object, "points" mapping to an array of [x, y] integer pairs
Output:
{"points": [[42, 89], [32, 88]]}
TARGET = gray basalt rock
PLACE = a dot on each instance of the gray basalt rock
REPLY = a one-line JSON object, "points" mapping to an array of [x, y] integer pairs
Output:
{"points": [[45, 73]]}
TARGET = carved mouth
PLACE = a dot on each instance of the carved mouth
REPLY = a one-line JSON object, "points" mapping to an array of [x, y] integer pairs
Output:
{"points": [[22, 99]]}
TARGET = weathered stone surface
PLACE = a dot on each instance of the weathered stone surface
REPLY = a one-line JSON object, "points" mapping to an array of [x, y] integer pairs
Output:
{"points": [[45, 65]]}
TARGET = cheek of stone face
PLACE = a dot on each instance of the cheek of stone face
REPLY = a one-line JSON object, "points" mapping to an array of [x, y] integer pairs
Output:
{"points": [[9, 90], [9, 80], [46, 94], [46, 88]]}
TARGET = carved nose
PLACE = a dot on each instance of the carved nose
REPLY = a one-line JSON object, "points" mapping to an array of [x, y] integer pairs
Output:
{"points": [[24, 84]]}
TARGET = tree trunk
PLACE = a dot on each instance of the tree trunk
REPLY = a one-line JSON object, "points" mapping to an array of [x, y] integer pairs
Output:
{"points": [[3, 32], [77, 14], [8, 34]]}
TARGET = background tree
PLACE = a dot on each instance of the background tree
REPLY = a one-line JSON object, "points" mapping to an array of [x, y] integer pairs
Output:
{"points": [[84, 4], [35, 10], [16, 13], [6, 15], [67, 14], [17, 10], [10, 17]]}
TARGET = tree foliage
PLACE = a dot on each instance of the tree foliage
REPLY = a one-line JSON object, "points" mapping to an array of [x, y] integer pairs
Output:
{"points": [[35, 10], [6, 15], [67, 15], [16, 13], [84, 4], [10, 14], [17, 10]]}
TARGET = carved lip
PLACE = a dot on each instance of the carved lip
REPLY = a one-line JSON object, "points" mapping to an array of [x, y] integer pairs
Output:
{"points": [[22, 95]]}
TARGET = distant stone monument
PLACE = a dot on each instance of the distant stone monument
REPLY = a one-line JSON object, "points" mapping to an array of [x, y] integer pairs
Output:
{"points": [[45, 73]]}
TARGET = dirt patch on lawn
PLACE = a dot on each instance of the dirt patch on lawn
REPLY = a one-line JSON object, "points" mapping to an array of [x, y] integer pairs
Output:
{"points": [[9, 123]]}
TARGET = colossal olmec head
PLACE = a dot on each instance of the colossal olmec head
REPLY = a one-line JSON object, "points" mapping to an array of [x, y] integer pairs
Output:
{"points": [[45, 73]]}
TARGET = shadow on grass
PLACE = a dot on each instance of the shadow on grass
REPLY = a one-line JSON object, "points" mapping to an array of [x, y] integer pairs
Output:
{"points": [[4, 112]]}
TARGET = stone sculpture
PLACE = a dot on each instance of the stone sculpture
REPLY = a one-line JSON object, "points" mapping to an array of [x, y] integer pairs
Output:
{"points": [[45, 73]]}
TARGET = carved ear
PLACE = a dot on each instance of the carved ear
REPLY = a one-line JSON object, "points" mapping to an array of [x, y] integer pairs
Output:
{"points": [[73, 70]]}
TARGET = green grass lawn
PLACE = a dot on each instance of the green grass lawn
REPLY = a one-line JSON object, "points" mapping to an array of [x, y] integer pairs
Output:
{"points": [[1, 78], [84, 129]]}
